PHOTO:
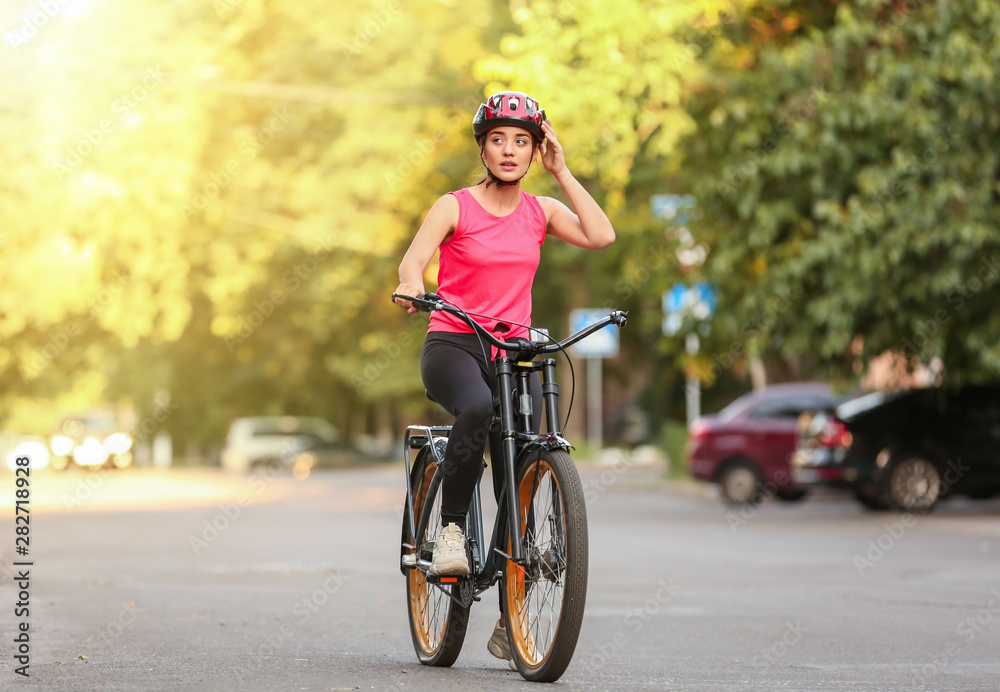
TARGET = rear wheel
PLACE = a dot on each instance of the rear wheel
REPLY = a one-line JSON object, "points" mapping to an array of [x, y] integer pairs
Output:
{"points": [[437, 622], [545, 597]]}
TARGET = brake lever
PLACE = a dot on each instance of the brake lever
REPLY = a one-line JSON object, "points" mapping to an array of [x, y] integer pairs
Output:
{"points": [[432, 301]]}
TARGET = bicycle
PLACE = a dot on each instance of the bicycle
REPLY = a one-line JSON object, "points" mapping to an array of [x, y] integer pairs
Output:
{"points": [[544, 569]]}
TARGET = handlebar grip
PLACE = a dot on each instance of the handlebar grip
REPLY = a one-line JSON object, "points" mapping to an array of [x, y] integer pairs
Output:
{"points": [[424, 302]]}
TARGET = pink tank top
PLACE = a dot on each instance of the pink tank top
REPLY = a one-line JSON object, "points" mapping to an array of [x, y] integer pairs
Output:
{"points": [[488, 266]]}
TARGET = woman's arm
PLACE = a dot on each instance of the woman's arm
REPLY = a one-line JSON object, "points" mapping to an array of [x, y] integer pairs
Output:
{"points": [[439, 223], [589, 227]]}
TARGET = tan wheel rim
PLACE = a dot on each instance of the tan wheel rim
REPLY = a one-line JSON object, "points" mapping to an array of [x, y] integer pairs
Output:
{"points": [[428, 604]]}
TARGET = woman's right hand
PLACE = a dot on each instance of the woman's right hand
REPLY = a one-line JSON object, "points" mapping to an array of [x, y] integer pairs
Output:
{"points": [[409, 290]]}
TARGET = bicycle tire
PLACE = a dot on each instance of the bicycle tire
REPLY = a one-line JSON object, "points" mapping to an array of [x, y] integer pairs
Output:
{"points": [[437, 623], [544, 600]]}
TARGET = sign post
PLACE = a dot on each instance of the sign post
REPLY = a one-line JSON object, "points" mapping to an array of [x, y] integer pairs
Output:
{"points": [[692, 387], [697, 302], [602, 344]]}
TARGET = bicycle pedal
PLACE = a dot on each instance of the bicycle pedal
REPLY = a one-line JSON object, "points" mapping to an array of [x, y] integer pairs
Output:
{"points": [[447, 579]]}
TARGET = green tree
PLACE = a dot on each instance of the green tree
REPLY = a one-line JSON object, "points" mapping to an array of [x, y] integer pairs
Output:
{"points": [[852, 168], [215, 206]]}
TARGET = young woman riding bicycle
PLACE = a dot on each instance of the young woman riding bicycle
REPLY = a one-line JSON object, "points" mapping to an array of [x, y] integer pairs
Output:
{"points": [[490, 236]]}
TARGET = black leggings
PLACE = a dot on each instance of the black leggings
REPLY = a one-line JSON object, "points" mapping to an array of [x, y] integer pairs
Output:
{"points": [[458, 376]]}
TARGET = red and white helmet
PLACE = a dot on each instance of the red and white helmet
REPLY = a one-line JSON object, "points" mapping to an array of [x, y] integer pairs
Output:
{"points": [[509, 108]]}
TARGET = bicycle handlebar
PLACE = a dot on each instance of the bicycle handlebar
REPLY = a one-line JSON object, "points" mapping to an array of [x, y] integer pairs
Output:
{"points": [[432, 301]]}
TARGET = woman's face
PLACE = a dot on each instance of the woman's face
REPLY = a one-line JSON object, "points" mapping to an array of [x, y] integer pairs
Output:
{"points": [[507, 151]]}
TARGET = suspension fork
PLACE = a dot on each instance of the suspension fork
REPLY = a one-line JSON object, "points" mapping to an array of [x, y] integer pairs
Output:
{"points": [[550, 395], [509, 440]]}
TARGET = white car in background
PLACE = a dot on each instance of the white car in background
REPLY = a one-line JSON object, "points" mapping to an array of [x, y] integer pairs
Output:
{"points": [[95, 439], [13, 445], [294, 442]]}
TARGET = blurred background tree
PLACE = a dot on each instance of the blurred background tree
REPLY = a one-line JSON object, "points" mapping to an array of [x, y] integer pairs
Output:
{"points": [[211, 199], [846, 166]]}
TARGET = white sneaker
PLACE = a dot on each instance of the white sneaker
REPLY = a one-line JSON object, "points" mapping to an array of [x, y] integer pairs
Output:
{"points": [[498, 646], [450, 558]]}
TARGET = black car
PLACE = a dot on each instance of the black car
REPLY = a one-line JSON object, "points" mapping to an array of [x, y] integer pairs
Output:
{"points": [[906, 450]]}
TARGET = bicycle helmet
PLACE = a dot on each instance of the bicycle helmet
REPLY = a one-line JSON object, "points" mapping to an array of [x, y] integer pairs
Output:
{"points": [[509, 108]]}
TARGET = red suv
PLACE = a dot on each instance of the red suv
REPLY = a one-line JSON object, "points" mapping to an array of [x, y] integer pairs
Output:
{"points": [[746, 448]]}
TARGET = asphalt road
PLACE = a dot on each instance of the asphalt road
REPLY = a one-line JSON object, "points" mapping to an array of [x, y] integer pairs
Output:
{"points": [[195, 580]]}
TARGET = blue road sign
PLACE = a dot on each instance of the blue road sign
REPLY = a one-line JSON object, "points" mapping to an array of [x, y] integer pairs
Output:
{"points": [[602, 344], [668, 206], [699, 301]]}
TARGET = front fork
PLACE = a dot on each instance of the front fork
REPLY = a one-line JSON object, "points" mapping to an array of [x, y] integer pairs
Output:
{"points": [[508, 436], [508, 428]]}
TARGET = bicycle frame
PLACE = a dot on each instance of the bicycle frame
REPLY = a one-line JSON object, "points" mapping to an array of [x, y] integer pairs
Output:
{"points": [[517, 439]]}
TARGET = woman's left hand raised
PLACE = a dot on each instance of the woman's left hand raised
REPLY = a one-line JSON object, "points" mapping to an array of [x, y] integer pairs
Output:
{"points": [[552, 152]]}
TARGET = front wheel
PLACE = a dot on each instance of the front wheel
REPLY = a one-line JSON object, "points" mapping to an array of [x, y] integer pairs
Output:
{"points": [[544, 598], [437, 622]]}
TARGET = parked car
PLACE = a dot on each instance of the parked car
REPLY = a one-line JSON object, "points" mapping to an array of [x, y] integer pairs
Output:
{"points": [[746, 447], [287, 442], [93, 439], [906, 450], [14, 445]]}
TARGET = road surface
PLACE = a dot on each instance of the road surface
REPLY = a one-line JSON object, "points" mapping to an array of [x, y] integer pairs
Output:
{"points": [[193, 579]]}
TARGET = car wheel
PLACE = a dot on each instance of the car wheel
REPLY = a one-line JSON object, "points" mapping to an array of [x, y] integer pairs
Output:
{"points": [[791, 493], [872, 498], [269, 466], [740, 484], [914, 484]]}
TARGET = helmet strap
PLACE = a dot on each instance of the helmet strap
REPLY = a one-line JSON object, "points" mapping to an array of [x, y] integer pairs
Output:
{"points": [[501, 183]]}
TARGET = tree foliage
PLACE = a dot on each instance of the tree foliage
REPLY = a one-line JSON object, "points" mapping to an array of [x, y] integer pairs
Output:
{"points": [[848, 176], [211, 199], [202, 199]]}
